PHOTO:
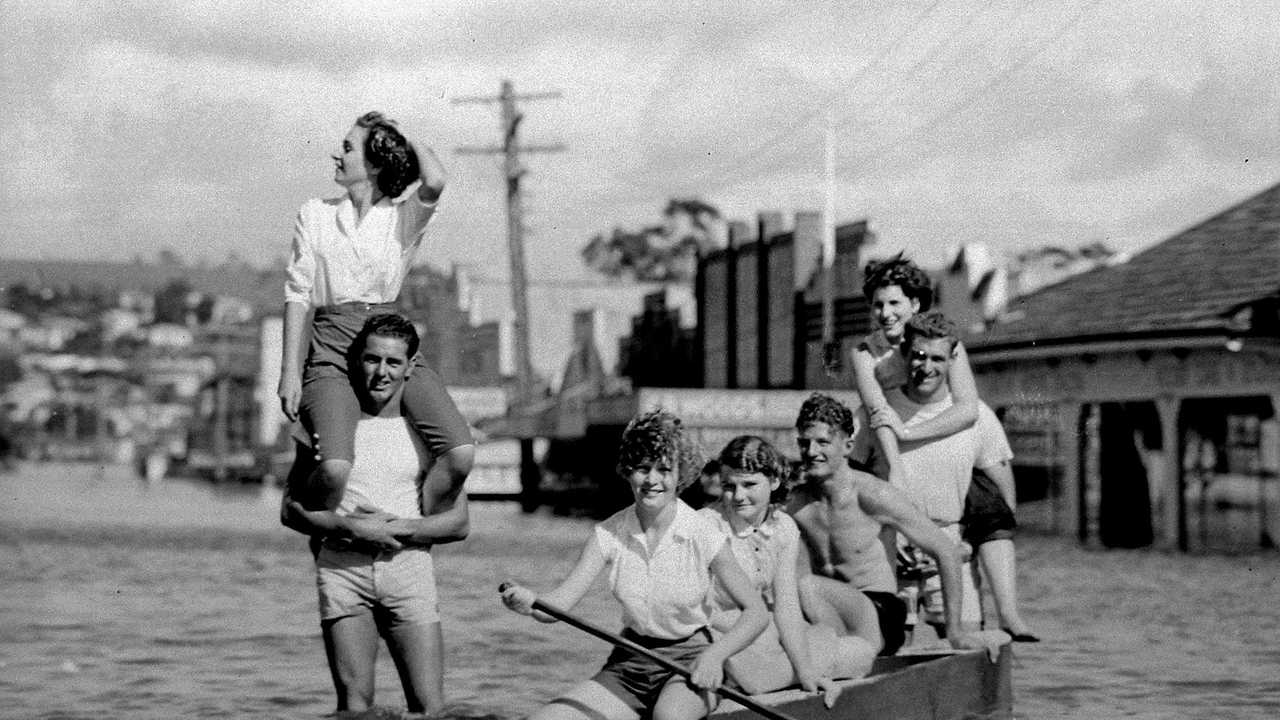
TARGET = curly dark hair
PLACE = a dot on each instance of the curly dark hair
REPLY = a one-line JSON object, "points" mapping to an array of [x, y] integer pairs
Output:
{"points": [[388, 325], [897, 270], [386, 149], [822, 408], [753, 454], [655, 436], [931, 325]]}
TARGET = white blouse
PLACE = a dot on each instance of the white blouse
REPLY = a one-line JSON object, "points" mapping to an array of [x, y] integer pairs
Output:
{"points": [[336, 259], [663, 590], [759, 550]]}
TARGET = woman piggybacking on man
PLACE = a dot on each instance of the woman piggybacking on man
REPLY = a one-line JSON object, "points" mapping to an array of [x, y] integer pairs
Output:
{"points": [[898, 290], [348, 260]]}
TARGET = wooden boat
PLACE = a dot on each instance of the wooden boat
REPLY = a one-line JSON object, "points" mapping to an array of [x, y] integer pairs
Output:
{"points": [[925, 685]]}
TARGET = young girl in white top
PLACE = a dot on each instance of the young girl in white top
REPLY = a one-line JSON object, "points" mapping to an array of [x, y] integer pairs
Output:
{"points": [[766, 542], [349, 258], [660, 557]]}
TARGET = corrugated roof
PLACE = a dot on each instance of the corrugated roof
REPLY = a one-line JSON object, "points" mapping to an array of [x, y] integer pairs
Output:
{"points": [[1193, 281]]}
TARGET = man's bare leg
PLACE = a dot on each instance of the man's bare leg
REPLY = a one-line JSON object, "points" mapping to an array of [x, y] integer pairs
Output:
{"points": [[418, 652], [351, 644], [1000, 566], [839, 605]]}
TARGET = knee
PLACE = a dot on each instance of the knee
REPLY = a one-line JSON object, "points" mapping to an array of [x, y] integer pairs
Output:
{"points": [[805, 583], [459, 461], [807, 589], [328, 484], [333, 474]]}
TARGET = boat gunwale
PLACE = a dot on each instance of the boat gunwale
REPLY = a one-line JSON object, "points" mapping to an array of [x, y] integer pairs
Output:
{"points": [[991, 698]]}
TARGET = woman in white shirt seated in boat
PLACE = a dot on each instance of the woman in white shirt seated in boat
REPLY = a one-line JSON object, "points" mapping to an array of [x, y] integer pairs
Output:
{"points": [[661, 557], [766, 542]]}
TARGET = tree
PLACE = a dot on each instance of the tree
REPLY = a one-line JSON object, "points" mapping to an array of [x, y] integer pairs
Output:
{"points": [[171, 302], [665, 253], [168, 257]]}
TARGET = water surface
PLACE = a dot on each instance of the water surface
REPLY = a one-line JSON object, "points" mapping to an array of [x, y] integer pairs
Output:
{"points": [[184, 600]]}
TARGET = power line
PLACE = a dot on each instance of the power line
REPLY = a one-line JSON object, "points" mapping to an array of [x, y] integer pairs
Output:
{"points": [[964, 103], [725, 168], [931, 55], [886, 148], [845, 88], [912, 74]]}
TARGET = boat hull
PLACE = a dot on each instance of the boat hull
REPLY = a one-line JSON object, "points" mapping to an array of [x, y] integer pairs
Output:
{"points": [[923, 686]]}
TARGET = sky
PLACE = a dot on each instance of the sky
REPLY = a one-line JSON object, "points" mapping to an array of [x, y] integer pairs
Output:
{"points": [[200, 127]]}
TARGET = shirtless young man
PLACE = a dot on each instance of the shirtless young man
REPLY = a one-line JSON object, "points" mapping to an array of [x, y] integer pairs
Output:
{"points": [[841, 512], [374, 570]]}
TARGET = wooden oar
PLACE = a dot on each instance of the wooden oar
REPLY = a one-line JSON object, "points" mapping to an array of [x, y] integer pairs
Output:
{"points": [[622, 642]]}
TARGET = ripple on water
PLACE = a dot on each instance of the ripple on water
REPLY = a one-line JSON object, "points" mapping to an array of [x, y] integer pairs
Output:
{"points": [[169, 617]]}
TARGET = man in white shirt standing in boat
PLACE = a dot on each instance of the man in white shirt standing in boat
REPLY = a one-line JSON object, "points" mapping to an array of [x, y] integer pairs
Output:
{"points": [[374, 570]]}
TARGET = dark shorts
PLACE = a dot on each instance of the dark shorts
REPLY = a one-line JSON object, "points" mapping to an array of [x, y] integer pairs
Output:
{"points": [[637, 680], [987, 516], [892, 613], [330, 408]]}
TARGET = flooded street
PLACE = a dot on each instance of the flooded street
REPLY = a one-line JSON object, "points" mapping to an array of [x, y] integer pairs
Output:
{"points": [[184, 600]]}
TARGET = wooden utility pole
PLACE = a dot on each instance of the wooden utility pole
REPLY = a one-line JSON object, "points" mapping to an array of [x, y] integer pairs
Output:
{"points": [[513, 169], [530, 474]]}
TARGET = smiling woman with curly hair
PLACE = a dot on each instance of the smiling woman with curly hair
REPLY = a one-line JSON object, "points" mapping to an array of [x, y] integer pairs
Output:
{"points": [[655, 436], [662, 558]]}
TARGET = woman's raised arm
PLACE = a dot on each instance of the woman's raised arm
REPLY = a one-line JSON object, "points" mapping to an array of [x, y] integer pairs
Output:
{"points": [[432, 174]]}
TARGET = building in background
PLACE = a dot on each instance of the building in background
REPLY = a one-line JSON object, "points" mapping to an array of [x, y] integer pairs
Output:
{"points": [[203, 339], [760, 305], [976, 287], [1142, 396], [613, 304]]}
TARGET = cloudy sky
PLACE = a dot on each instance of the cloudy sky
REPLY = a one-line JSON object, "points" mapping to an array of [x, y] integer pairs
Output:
{"points": [[201, 126]]}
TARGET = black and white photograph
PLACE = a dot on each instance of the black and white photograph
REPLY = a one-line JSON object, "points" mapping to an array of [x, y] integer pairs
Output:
{"points": [[566, 360]]}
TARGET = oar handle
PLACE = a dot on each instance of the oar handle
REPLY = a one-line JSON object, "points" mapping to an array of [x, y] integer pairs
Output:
{"points": [[622, 642]]}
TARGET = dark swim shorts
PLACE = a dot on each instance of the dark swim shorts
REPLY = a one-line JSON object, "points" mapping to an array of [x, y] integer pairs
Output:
{"points": [[987, 516], [892, 613], [637, 680]]}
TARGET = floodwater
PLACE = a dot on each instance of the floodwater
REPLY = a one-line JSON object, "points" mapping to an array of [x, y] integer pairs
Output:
{"points": [[184, 600]]}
